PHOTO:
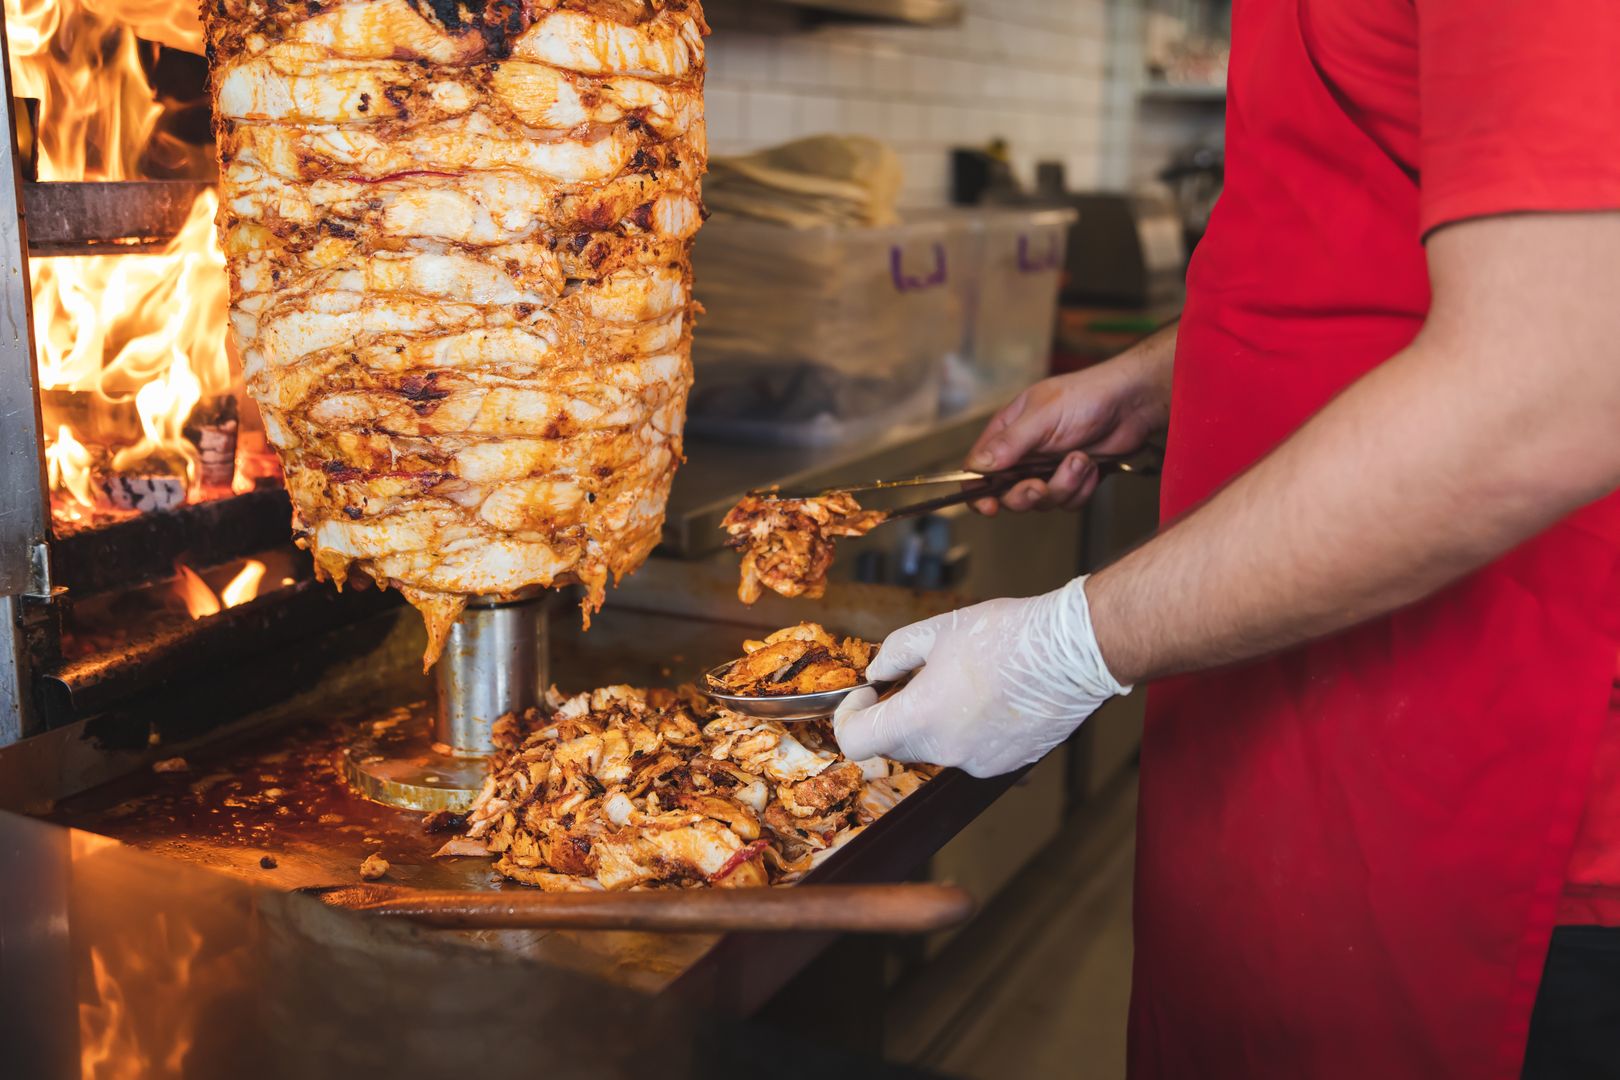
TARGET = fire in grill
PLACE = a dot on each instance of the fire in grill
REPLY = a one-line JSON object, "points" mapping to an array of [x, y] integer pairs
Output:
{"points": [[159, 563], [139, 394]]}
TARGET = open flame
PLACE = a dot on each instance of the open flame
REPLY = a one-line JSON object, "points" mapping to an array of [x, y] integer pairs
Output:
{"points": [[244, 586], [194, 592], [68, 463], [113, 323], [201, 601], [104, 1028], [163, 405], [146, 329], [80, 60], [134, 1019]]}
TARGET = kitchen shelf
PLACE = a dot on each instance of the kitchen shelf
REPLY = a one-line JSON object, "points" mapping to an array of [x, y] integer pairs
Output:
{"points": [[918, 12], [1199, 92]]}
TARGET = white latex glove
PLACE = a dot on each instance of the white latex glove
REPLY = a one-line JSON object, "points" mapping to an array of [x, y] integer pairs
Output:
{"points": [[1002, 684]]}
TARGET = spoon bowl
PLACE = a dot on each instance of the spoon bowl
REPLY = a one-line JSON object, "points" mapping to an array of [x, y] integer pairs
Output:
{"points": [[783, 708]]}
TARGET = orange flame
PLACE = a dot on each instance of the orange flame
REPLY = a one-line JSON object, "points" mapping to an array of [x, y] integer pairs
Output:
{"points": [[147, 327], [80, 60], [163, 405], [154, 1037], [194, 592], [245, 585], [201, 601], [102, 1027], [68, 464]]}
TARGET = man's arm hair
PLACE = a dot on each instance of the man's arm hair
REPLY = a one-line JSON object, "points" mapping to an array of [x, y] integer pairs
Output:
{"points": [[1501, 418]]}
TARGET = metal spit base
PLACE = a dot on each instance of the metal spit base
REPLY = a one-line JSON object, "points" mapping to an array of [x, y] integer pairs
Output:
{"points": [[412, 773], [496, 662]]}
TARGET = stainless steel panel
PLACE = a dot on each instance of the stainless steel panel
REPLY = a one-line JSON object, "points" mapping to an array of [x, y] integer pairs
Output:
{"points": [[24, 504], [987, 855], [14, 688]]}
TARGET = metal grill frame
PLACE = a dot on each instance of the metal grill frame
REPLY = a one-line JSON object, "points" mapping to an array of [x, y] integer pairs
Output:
{"points": [[41, 573], [24, 496]]}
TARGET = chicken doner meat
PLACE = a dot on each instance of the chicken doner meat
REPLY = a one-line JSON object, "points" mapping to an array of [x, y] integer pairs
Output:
{"points": [[787, 545], [458, 236], [635, 789], [803, 659]]}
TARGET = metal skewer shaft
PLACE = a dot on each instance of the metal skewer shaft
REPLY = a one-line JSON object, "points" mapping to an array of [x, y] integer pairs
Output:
{"points": [[494, 663]]}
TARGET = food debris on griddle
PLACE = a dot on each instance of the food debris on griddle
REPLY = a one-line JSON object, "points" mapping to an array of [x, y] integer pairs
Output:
{"points": [[461, 847], [444, 821], [374, 867]]}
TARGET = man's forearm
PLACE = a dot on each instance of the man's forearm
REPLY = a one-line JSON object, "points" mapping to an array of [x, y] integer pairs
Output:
{"points": [[1431, 466], [1155, 357]]}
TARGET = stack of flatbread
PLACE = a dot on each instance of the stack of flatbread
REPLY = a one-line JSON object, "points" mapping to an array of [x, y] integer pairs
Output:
{"points": [[824, 180]]}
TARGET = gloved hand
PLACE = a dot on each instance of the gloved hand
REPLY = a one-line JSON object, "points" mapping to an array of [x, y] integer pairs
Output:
{"points": [[1001, 685]]}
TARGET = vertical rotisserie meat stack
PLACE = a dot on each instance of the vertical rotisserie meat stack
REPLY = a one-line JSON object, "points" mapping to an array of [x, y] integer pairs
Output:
{"points": [[458, 236]]}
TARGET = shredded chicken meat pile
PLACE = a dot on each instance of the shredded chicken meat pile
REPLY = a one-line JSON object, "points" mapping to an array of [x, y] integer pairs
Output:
{"points": [[458, 235], [635, 789], [802, 659], [787, 545]]}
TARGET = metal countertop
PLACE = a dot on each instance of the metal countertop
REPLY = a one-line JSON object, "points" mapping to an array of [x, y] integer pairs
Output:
{"points": [[118, 963], [275, 795]]}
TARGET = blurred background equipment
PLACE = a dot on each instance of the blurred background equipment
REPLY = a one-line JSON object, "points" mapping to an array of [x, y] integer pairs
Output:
{"points": [[983, 175], [1188, 42], [916, 12], [894, 317], [1195, 177], [1129, 250]]}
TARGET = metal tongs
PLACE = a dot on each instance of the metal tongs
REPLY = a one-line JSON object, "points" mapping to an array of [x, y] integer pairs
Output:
{"points": [[984, 485]]}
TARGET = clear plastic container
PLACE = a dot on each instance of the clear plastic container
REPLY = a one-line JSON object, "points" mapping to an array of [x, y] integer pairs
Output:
{"points": [[1013, 275], [824, 336]]}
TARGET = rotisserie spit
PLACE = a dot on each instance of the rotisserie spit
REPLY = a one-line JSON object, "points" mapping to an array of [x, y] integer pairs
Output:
{"points": [[458, 239]]}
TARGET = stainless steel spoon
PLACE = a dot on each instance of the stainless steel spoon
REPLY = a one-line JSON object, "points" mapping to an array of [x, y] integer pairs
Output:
{"points": [[785, 708]]}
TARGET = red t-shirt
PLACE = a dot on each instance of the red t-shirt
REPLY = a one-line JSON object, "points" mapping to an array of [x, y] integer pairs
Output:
{"points": [[1496, 107]]}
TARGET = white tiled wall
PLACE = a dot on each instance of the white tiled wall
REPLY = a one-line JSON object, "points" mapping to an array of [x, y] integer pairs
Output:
{"points": [[1030, 71]]}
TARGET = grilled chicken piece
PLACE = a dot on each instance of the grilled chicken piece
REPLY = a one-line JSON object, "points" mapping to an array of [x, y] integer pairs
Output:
{"points": [[824, 793], [803, 659], [787, 545], [458, 237], [628, 789]]}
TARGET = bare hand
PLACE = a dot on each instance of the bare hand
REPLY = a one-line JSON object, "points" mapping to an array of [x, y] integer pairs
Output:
{"points": [[1113, 408]]}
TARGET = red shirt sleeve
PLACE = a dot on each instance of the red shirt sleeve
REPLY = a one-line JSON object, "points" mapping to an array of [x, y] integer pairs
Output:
{"points": [[1520, 105]]}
